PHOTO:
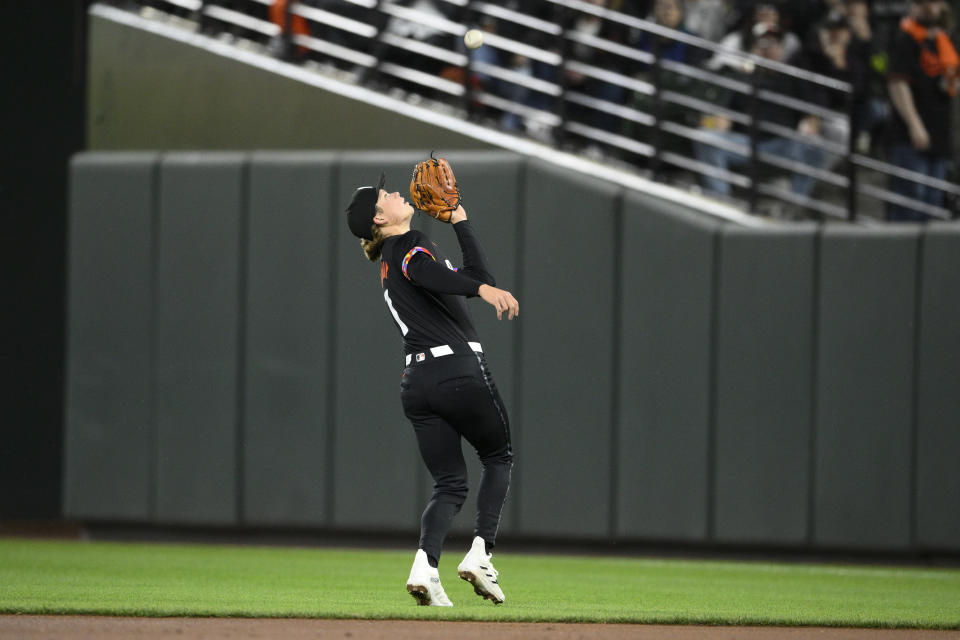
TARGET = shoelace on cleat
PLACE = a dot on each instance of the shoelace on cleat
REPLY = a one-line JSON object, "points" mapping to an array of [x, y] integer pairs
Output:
{"points": [[493, 573]]}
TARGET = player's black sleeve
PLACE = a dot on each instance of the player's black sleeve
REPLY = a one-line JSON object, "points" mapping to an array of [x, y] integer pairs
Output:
{"points": [[474, 259], [433, 276]]}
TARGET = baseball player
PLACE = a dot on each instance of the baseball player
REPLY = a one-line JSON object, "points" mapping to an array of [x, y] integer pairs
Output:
{"points": [[447, 390]]}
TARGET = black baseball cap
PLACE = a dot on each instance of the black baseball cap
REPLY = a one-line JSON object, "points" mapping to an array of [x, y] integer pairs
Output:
{"points": [[362, 208]]}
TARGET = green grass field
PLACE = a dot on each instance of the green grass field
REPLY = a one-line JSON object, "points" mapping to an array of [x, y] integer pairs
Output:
{"points": [[247, 581]]}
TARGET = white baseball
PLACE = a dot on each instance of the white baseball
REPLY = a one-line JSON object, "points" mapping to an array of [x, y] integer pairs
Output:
{"points": [[473, 38]]}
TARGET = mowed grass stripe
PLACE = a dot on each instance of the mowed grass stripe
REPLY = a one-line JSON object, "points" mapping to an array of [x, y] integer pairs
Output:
{"points": [[246, 581]]}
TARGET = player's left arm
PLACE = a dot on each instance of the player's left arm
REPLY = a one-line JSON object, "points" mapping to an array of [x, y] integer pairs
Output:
{"points": [[475, 263]]}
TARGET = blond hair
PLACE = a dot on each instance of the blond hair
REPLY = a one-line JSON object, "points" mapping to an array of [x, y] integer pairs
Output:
{"points": [[372, 248]]}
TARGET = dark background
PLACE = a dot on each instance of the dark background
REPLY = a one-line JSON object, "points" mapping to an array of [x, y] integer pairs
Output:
{"points": [[43, 114]]}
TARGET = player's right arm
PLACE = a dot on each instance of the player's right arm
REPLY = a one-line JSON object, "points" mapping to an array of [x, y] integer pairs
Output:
{"points": [[501, 300], [420, 267]]}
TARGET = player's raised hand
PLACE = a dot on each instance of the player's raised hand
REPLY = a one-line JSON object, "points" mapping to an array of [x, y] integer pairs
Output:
{"points": [[501, 300], [459, 214]]}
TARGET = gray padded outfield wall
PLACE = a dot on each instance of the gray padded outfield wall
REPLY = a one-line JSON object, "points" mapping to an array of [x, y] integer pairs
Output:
{"points": [[110, 416], [666, 301], [564, 413], [764, 341], [671, 377], [287, 381], [938, 382], [202, 205], [865, 373]]}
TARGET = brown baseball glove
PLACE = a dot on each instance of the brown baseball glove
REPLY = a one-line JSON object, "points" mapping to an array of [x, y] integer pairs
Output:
{"points": [[433, 188]]}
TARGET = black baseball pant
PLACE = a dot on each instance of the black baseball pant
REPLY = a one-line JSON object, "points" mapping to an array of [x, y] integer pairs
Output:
{"points": [[446, 399]]}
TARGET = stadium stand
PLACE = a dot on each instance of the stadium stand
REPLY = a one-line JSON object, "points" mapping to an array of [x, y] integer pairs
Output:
{"points": [[628, 84]]}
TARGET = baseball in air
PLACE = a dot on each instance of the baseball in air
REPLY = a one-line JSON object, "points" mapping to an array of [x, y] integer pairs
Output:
{"points": [[473, 38]]}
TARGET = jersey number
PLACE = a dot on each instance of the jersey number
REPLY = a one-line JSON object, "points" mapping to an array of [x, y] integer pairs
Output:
{"points": [[396, 316]]}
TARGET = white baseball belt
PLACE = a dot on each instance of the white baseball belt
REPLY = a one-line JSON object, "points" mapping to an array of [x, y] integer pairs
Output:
{"points": [[439, 352]]}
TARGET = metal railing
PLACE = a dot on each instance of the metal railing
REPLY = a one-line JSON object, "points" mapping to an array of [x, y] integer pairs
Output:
{"points": [[522, 81]]}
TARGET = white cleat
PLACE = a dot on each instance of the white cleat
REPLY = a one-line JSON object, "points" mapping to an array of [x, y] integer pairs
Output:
{"points": [[424, 583], [477, 569]]}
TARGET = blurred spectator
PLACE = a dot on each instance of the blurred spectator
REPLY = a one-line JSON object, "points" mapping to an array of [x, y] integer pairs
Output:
{"points": [[830, 48], [589, 25], [873, 104], [923, 81], [297, 26], [540, 9], [666, 13], [486, 56], [765, 16], [417, 30], [706, 18], [420, 29], [768, 45], [842, 46], [834, 52], [813, 14], [858, 15], [519, 91]]}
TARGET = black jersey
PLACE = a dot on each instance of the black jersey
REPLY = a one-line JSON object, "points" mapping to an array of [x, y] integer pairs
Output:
{"points": [[933, 104], [426, 294]]}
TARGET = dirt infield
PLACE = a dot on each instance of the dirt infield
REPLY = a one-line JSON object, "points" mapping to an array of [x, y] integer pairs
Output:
{"points": [[110, 628]]}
